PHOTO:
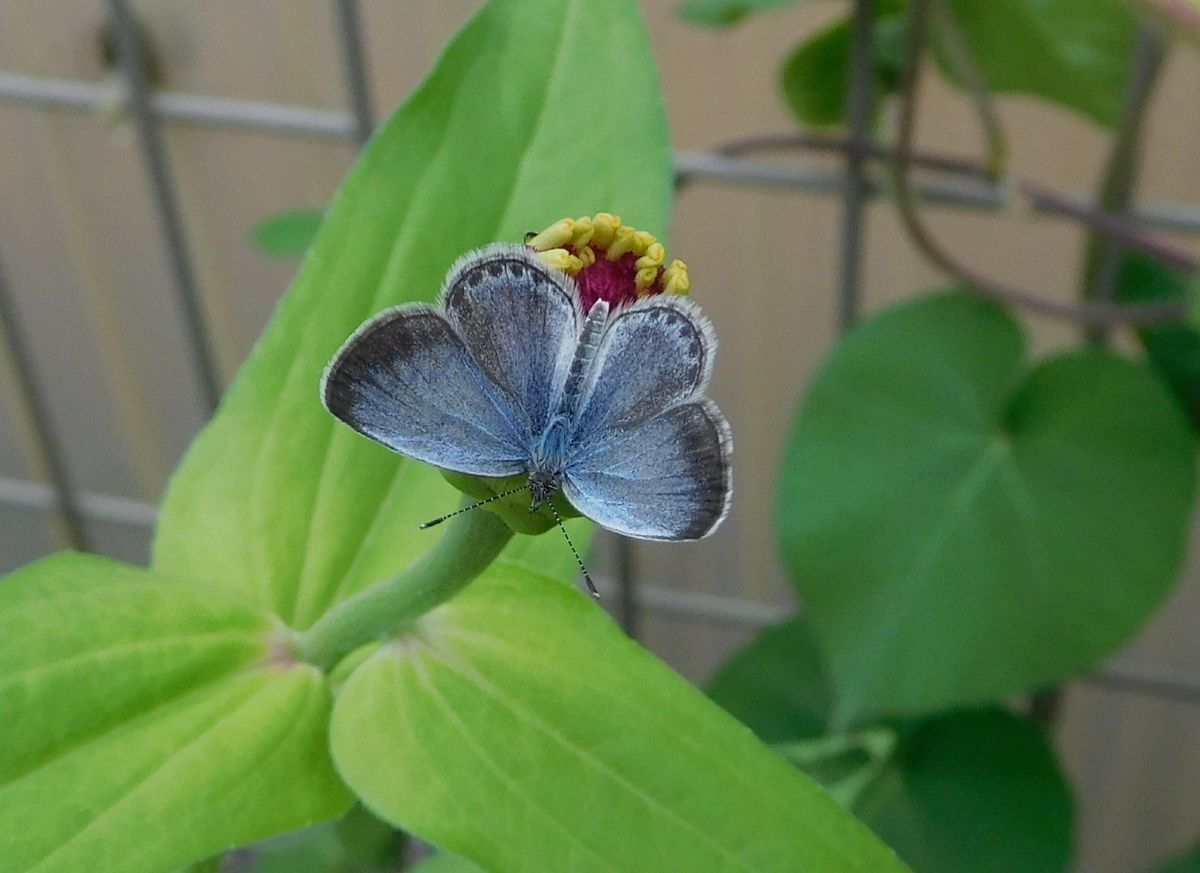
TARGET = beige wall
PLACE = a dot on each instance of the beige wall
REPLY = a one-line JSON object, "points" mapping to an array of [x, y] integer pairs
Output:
{"points": [[81, 249]]}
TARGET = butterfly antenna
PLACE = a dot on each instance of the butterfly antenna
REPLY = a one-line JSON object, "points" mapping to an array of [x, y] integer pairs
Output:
{"points": [[578, 560], [460, 511]]}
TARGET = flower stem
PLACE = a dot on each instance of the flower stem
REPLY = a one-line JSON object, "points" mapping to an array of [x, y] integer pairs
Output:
{"points": [[470, 543]]}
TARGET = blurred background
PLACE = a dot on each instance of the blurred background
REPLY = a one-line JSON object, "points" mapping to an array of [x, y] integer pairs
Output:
{"points": [[260, 108]]}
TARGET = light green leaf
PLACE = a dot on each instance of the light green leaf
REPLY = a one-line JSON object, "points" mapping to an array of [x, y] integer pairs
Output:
{"points": [[1075, 53], [1172, 349], [815, 77], [720, 13], [277, 496], [1189, 863], [128, 698], [517, 726], [288, 234], [978, 791], [961, 530]]}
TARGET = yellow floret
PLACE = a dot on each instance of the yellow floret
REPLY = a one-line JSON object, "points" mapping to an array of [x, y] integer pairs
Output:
{"points": [[675, 278], [604, 228], [553, 237], [562, 260]]}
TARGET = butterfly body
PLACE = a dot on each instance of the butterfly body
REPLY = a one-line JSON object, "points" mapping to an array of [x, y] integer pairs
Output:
{"points": [[509, 376]]}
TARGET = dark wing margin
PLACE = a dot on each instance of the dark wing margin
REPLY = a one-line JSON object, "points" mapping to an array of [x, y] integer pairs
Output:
{"points": [[668, 478], [521, 320], [406, 380]]}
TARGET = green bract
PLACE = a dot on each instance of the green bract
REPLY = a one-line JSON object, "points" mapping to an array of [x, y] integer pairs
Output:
{"points": [[962, 529], [129, 698], [519, 727]]}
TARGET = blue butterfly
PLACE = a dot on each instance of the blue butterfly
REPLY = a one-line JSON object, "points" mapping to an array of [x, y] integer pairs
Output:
{"points": [[507, 375]]}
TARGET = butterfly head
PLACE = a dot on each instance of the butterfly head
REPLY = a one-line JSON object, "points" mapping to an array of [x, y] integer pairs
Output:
{"points": [[543, 486]]}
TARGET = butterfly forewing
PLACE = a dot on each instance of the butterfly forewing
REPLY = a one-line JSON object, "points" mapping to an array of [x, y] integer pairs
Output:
{"points": [[521, 320], [406, 380]]}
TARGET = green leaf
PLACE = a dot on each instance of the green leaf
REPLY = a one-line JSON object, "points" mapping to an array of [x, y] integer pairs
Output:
{"points": [[444, 862], [127, 699], [1172, 349], [977, 791], [278, 497], [1075, 53], [961, 530], [776, 684], [815, 77], [517, 726], [288, 234], [1189, 863], [720, 13], [357, 843]]}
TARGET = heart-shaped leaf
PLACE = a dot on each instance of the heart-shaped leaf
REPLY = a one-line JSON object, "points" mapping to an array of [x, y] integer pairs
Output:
{"points": [[128, 698], [278, 497], [962, 530], [815, 77], [517, 726], [1173, 349], [1189, 863], [978, 790], [1075, 53]]}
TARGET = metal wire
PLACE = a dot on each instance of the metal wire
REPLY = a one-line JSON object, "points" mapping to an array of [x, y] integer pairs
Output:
{"points": [[350, 29], [62, 497], [859, 107], [129, 53]]}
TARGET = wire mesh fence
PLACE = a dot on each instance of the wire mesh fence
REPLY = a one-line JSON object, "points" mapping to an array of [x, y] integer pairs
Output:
{"points": [[735, 164]]}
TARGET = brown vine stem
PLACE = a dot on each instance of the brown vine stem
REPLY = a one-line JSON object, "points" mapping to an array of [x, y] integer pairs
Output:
{"points": [[959, 55], [1102, 257], [1039, 197], [1181, 14], [1097, 313]]}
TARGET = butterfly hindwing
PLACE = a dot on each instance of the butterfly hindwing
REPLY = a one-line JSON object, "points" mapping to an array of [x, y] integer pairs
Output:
{"points": [[668, 478], [407, 380], [521, 320], [649, 456]]}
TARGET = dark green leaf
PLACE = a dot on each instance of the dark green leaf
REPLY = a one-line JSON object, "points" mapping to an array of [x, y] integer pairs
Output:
{"points": [[961, 530], [1189, 863], [288, 234], [777, 685], [816, 75], [1173, 349], [1075, 53], [356, 843], [972, 791], [720, 13]]}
